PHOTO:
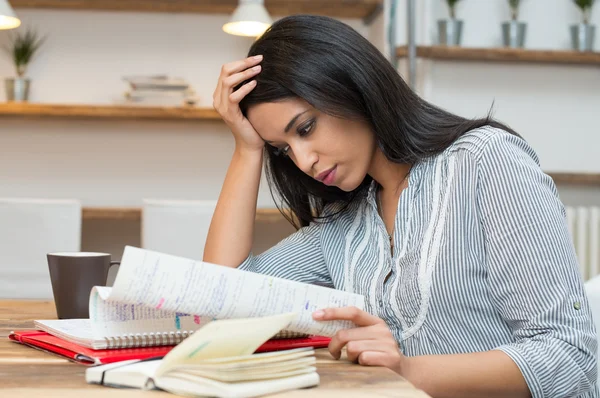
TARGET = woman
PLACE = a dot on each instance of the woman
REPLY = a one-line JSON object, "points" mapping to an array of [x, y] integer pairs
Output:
{"points": [[446, 225]]}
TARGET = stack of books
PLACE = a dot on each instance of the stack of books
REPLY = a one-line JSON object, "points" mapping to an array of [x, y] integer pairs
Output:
{"points": [[218, 361], [196, 329], [159, 90]]}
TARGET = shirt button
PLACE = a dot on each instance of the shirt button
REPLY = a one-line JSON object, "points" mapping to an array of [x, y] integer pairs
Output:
{"points": [[380, 302], [577, 305]]}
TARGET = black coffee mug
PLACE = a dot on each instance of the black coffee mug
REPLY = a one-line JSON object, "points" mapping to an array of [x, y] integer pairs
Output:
{"points": [[73, 275]]}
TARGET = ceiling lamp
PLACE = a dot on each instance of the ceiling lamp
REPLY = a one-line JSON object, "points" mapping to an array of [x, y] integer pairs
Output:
{"points": [[8, 19], [250, 18]]}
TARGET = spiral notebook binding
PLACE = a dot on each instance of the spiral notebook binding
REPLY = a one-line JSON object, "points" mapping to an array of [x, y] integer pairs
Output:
{"points": [[147, 339], [170, 338], [288, 334]]}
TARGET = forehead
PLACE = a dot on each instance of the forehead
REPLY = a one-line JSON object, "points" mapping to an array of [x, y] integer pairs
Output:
{"points": [[270, 119]]}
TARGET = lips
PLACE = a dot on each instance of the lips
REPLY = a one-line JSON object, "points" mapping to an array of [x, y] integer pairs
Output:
{"points": [[323, 176]]}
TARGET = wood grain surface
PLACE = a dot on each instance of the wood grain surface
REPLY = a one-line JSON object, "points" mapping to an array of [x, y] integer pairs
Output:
{"points": [[332, 8], [135, 214], [501, 54], [91, 111], [26, 372]]}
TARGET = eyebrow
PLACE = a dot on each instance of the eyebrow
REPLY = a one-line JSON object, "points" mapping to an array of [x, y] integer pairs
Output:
{"points": [[290, 124]]}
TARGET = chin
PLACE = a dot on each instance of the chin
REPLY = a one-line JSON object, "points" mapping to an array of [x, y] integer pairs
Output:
{"points": [[349, 185]]}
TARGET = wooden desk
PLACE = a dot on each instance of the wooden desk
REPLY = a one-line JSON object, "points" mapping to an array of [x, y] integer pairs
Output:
{"points": [[26, 372]]}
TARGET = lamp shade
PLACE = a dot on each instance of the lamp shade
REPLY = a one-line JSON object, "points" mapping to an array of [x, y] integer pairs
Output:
{"points": [[8, 19], [250, 18]]}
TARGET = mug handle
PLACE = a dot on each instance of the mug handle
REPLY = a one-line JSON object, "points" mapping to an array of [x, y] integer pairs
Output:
{"points": [[108, 270]]}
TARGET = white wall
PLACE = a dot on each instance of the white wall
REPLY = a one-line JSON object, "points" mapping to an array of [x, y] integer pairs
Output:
{"points": [[555, 108], [117, 163]]}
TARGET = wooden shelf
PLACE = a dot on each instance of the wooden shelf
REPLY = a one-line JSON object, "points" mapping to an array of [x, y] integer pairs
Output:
{"points": [[587, 179], [107, 111], [333, 8], [135, 214], [507, 55]]}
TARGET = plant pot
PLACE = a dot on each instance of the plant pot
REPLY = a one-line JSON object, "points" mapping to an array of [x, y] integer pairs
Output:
{"points": [[582, 37], [449, 32], [513, 34], [17, 89]]}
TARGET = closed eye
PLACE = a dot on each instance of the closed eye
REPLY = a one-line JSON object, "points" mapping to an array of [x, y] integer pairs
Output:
{"points": [[306, 128], [302, 131]]}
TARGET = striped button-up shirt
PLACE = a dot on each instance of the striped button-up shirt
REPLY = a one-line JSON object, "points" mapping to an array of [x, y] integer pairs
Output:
{"points": [[482, 260]]}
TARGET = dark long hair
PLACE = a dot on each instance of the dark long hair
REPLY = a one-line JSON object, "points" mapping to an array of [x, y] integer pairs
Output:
{"points": [[337, 71]]}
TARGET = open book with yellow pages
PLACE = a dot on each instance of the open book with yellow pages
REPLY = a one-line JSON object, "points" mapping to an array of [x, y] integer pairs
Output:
{"points": [[217, 361]]}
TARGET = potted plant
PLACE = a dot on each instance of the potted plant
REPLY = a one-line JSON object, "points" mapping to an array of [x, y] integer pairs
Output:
{"points": [[582, 34], [22, 47], [513, 31], [450, 30]]}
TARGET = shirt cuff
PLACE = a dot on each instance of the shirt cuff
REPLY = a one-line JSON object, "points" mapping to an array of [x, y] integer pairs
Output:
{"points": [[535, 387]]}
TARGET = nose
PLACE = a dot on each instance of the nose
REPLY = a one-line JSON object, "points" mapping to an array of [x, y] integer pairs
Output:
{"points": [[304, 156]]}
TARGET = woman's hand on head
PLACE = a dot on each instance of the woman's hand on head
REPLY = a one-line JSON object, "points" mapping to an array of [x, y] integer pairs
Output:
{"points": [[370, 344], [226, 101]]}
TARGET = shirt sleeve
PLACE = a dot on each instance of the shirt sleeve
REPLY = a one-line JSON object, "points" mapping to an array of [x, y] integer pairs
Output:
{"points": [[533, 276], [298, 257]]}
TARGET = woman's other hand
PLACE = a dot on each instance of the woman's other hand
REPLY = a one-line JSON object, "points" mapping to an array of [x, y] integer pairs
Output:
{"points": [[371, 343], [226, 101]]}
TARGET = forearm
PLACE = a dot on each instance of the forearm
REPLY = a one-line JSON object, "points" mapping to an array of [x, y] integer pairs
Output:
{"points": [[481, 374], [231, 232]]}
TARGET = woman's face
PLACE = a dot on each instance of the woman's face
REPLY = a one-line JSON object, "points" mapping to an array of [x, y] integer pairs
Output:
{"points": [[334, 151]]}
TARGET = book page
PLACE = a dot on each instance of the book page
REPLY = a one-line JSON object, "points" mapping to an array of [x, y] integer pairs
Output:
{"points": [[178, 285], [224, 338], [110, 319]]}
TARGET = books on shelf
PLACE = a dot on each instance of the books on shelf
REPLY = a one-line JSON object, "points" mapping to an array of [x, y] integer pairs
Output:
{"points": [[156, 82], [218, 361], [159, 90]]}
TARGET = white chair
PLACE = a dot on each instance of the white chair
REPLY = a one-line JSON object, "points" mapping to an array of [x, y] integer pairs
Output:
{"points": [[177, 227], [30, 229], [592, 290]]}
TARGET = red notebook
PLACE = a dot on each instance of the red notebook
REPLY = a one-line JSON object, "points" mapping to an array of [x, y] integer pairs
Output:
{"points": [[49, 343]]}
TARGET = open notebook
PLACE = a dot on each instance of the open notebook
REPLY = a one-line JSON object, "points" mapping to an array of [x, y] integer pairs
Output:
{"points": [[79, 331], [159, 299]]}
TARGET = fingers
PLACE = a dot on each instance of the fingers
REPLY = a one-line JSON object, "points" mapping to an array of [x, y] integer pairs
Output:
{"points": [[238, 95], [379, 358], [353, 314], [348, 336], [355, 348], [229, 82], [238, 66], [233, 74]]}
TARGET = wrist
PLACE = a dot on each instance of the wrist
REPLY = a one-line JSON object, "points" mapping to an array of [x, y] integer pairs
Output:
{"points": [[408, 369], [246, 151], [403, 366]]}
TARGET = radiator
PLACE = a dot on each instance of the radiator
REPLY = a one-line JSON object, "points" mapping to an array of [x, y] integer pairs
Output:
{"points": [[584, 227]]}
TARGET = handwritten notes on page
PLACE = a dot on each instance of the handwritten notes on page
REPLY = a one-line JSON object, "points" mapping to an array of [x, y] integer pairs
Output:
{"points": [[113, 318], [175, 285]]}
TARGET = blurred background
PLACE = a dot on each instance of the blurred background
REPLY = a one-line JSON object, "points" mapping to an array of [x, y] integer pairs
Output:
{"points": [[114, 106]]}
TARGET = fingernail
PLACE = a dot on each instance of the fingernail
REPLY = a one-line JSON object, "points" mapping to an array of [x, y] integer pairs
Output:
{"points": [[256, 68], [257, 57], [318, 314]]}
